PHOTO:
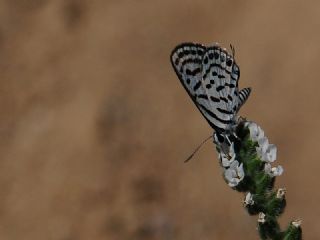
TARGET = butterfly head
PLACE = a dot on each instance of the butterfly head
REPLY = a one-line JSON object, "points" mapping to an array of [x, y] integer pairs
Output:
{"points": [[222, 140]]}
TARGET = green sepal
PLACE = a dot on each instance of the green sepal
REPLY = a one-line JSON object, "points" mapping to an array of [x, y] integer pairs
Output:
{"points": [[258, 205], [293, 233], [269, 229], [275, 206]]}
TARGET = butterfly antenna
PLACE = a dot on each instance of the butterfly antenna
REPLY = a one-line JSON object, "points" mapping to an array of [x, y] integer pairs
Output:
{"points": [[196, 150], [233, 50]]}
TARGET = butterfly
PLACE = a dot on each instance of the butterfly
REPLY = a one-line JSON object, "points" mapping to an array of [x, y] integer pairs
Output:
{"points": [[210, 75]]}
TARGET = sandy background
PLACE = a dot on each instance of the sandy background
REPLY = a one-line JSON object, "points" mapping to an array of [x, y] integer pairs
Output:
{"points": [[95, 125]]}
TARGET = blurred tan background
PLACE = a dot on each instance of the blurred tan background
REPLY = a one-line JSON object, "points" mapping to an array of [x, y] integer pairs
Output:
{"points": [[95, 125]]}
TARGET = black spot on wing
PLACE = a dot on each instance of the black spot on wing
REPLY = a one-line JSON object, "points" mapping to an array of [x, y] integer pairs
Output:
{"points": [[222, 58], [219, 88], [200, 51], [229, 62], [214, 73], [193, 72], [234, 78], [224, 99], [186, 52], [234, 108], [211, 114], [214, 99], [203, 96], [231, 85], [196, 87], [224, 111]]}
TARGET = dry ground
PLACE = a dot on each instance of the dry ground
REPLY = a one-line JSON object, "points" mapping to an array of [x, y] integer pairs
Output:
{"points": [[95, 125]]}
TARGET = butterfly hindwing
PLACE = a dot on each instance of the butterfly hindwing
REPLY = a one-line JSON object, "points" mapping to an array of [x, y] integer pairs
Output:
{"points": [[221, 86]]}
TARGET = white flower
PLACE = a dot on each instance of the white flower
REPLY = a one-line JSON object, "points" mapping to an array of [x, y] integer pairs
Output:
{"points": [[256, 132], [262, 218], [273, 171], [248, 199], [281, 192], [227, 158], [267, 152], [297, 223], [234, 174]]}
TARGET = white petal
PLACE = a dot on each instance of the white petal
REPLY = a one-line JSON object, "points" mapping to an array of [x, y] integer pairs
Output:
{"points": [[234, 165], [271, 153], [234, 174], [226, 160], [277, 171], [240, 172], [263, 142], [273, 171], [248, 199], [267, 152], [234, 183], [281, 192], [297, 223], [256, 133], [229, 174], [267, 168], [262, 217]]}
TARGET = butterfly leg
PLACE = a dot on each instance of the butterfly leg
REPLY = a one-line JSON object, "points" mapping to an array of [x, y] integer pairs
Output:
{"points": [[223, 142]]}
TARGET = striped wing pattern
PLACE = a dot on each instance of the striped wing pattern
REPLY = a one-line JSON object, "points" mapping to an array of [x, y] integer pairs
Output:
{"points": [[210, 76]]}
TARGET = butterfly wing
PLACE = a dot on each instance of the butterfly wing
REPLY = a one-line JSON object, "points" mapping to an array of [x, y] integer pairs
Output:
{"points": [[220, 75], [186, 60], [210, 76], [243, 96]]}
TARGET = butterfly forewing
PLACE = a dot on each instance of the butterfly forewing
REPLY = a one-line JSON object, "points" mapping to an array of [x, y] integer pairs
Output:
{"points": [[187, 62], [186, 59]]}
